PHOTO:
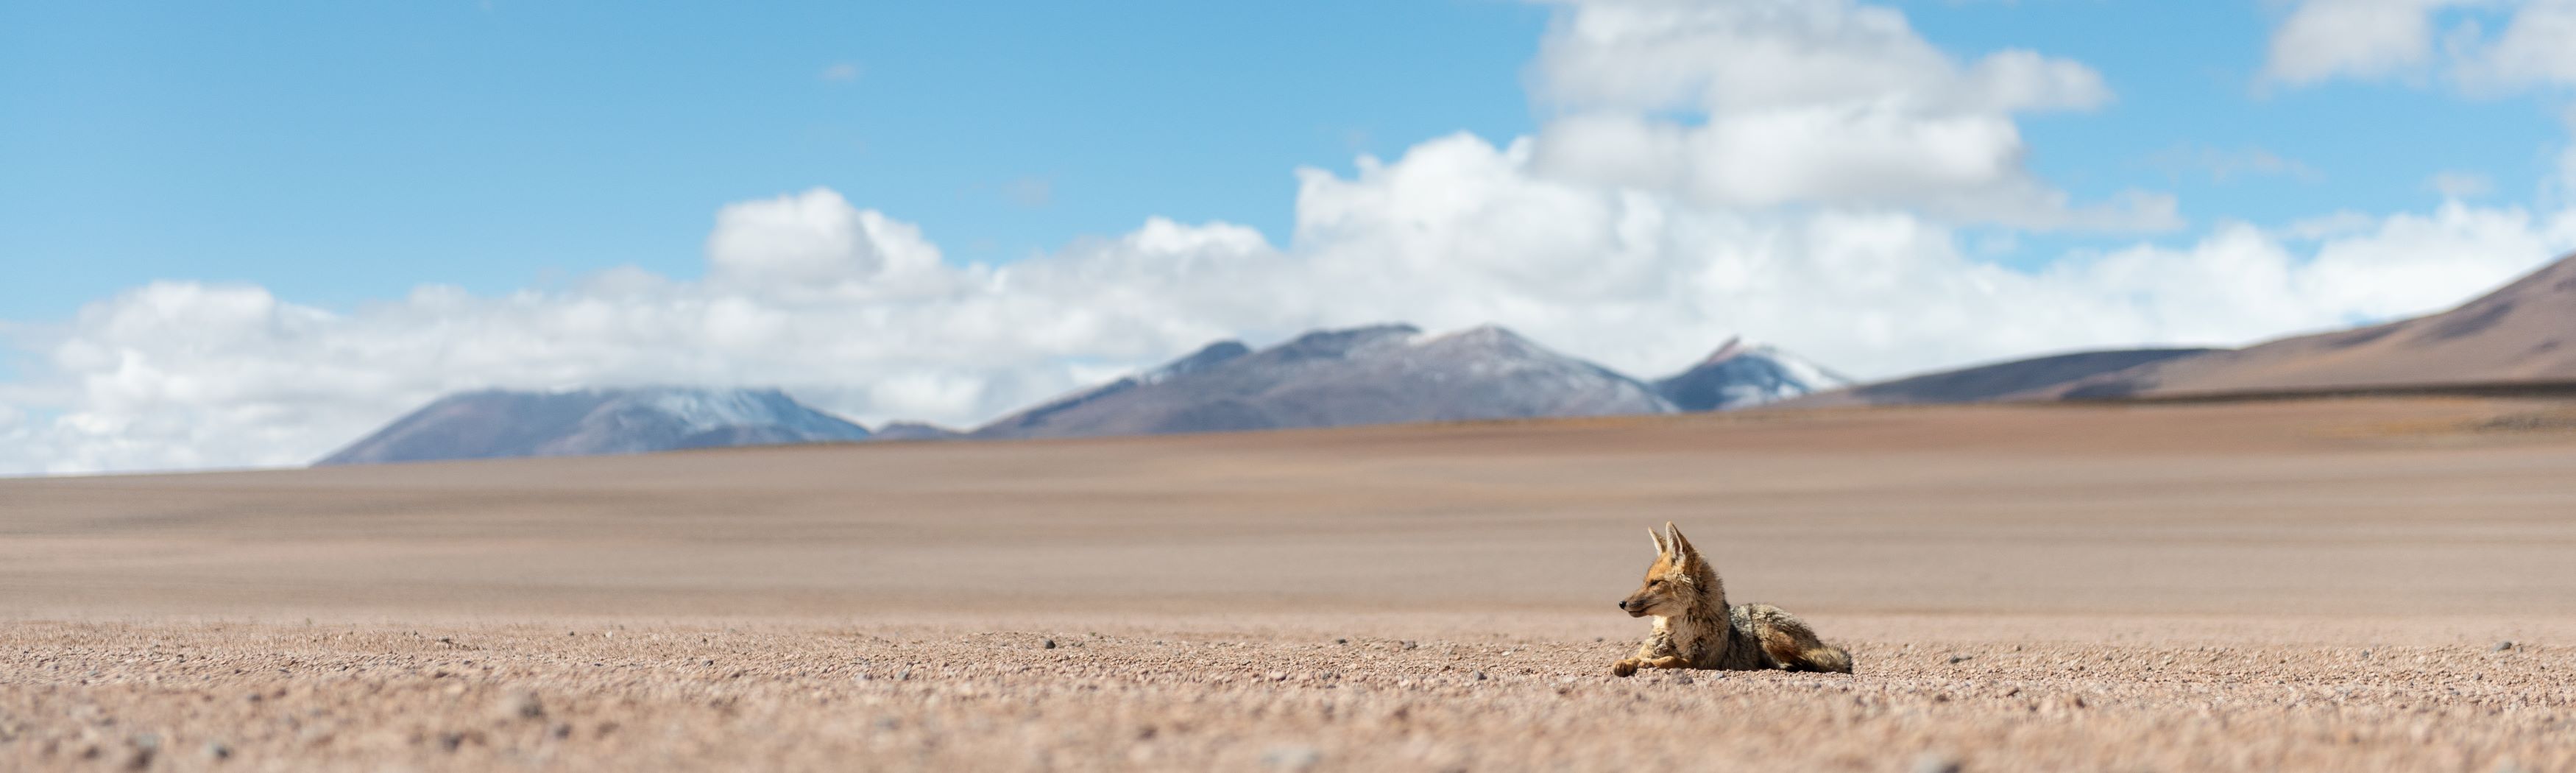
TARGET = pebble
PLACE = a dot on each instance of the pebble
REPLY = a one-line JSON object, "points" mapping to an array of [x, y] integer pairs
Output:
{"points": [[519, 704], [1292, 757], [1936, 762]]}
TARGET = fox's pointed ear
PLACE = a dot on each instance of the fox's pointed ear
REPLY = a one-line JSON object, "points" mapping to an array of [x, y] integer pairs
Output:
{"points": [[1659, 541], [1681, 545]]}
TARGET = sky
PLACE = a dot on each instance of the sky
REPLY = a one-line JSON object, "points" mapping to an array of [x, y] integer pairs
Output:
{"points": [[242, 235]]}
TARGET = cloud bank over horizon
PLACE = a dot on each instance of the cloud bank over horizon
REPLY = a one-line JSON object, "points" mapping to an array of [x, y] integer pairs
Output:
{"points": [[1678, 195]]}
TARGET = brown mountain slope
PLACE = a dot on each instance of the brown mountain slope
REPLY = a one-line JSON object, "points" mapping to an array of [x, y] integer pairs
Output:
{"points": [[1985, 383], [2525, 332]]}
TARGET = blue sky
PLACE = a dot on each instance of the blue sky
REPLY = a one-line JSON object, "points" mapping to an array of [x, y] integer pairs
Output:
{"points": [[247, 198], [339, 152]]}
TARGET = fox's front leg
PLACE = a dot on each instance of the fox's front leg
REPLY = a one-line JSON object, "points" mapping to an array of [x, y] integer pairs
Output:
{"points": [[1630, 665]]}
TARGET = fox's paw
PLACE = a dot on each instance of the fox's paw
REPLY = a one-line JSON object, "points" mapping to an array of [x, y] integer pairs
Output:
{"points": [[1624, 667]]}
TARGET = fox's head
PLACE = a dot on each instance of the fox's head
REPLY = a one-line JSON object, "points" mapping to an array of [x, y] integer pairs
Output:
{"points": [[1673, 583]]}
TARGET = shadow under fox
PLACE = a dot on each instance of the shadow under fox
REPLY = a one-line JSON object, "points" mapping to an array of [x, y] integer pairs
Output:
{"points": [[1695, 628]]}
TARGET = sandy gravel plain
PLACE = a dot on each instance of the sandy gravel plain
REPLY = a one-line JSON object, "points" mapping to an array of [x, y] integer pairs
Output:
{"points": [[2315, 585]]}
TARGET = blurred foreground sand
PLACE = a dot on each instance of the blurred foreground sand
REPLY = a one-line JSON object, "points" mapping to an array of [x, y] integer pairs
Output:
{"points": [[2310, 585]]}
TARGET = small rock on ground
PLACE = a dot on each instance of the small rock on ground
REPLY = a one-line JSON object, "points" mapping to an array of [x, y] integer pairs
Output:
{"points": [[1292, 757], [1936, 762]]}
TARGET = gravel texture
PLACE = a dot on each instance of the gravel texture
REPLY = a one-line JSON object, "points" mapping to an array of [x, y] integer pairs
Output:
{"points": [[1265, 696]]}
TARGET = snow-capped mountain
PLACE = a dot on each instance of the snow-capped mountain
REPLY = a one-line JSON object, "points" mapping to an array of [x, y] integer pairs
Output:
{"points": [[1370, 375], [1741, 375], [500, 423]]}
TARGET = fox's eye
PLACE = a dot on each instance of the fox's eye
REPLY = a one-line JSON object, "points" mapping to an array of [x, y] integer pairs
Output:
{"points": [[1655, 584]]}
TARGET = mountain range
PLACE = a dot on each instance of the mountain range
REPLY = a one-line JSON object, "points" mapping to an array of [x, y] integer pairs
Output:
{"points": [[2519, 334], [1327, 378]]}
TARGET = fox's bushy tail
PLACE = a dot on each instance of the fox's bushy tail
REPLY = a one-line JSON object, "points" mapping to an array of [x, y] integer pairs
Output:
{"points": [[1792, 644], [1826, 657]]}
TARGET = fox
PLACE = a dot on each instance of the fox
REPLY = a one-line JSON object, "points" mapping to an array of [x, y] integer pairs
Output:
{"points": [[1695, 628]]}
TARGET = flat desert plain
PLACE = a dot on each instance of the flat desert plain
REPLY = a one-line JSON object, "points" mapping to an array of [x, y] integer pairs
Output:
{"points": [[2350, 585]]}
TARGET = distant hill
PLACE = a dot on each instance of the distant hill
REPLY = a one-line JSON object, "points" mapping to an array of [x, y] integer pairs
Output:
{"points": [[2524, 332], [913, 430], [499, 423], [1370, 375], [1740, 375], [1999, 381]]}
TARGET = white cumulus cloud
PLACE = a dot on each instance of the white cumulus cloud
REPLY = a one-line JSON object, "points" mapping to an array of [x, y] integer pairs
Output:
{"points": [[2534, 49], [1831, 102], [2322, 39]]}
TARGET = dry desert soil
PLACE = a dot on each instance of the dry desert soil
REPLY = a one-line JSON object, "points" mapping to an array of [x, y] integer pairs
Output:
{"points": [[2349, 585]]}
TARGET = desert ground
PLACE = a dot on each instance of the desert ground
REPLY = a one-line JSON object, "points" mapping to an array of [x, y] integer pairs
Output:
{"points": [[2350, 585]]}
